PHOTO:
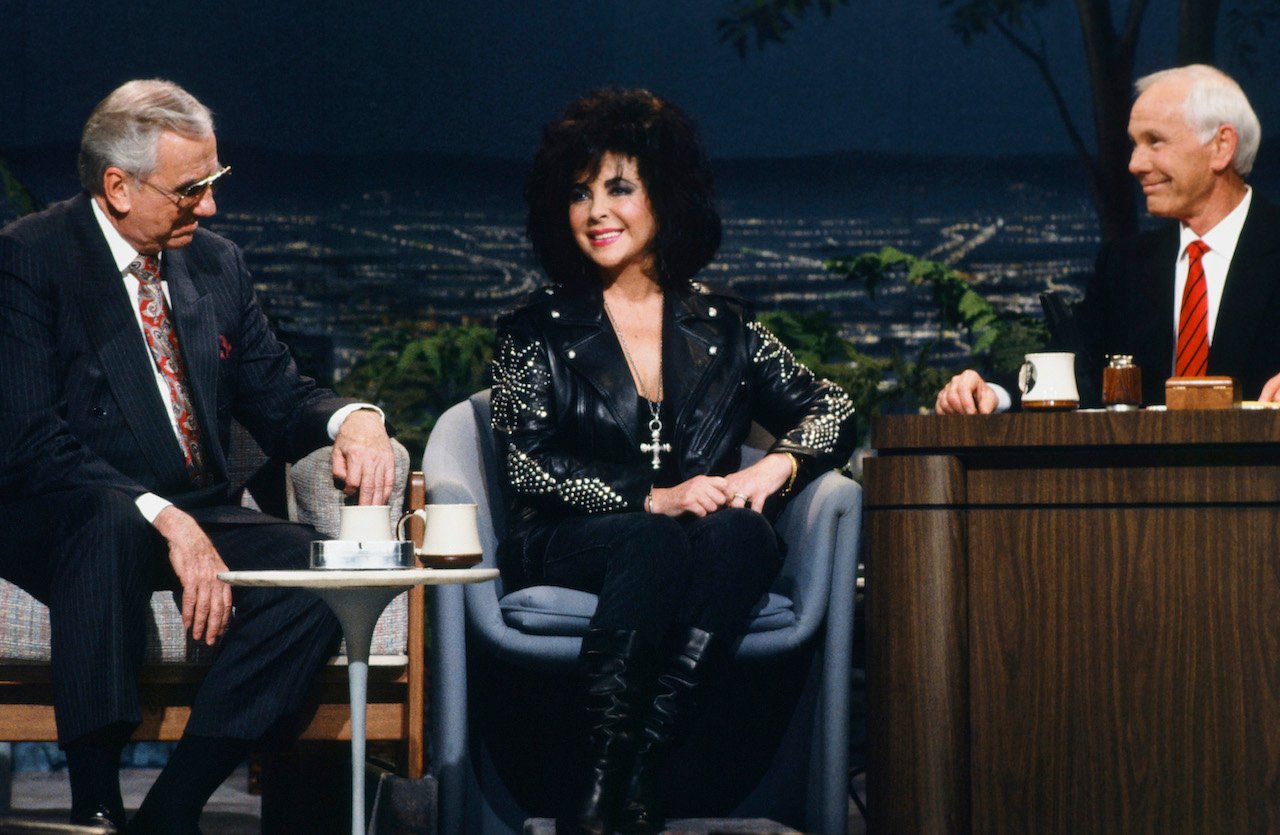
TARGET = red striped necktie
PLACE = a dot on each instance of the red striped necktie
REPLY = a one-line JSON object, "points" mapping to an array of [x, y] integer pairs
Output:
{"points": [[162, 339], [1193, 318]]}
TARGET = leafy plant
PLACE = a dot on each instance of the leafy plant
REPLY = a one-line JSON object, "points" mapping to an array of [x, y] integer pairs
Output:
{"points": [[415, 378], [768, 20], [20, 198], [996, 340]]}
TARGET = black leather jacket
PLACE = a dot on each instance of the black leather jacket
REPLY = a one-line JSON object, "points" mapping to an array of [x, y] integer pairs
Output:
{"points": [[569, 421]]}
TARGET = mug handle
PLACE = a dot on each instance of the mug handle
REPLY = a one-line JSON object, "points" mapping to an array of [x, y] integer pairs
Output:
{"points": [[1027, 376], [409, 514]]}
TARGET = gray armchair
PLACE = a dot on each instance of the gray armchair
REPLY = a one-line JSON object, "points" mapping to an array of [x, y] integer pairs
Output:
{"points": [[799, 645]]}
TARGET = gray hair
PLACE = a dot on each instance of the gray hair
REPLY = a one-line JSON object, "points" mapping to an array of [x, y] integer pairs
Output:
{"points": [[123, 128], [1214, 99]]}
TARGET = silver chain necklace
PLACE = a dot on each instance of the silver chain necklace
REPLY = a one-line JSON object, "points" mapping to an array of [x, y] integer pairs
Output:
{"points": [[655, 445]]}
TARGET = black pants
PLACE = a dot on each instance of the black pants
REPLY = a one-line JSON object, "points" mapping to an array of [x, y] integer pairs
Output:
{"points": [[658, 575], [90, 556]]}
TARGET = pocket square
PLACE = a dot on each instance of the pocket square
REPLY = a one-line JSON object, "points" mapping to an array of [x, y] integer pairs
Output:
{"points": [[224, 347]]}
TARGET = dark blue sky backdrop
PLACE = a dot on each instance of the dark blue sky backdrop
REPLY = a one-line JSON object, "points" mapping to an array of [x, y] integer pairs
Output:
{"points": [[460, 77]]}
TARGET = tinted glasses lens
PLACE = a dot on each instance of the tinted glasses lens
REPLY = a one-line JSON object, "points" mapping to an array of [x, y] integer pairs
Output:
{"points": [[197, 188]]}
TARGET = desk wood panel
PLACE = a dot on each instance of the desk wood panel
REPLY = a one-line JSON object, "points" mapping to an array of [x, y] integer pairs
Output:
{"points": [[1131, 682], [926, 433], [910, 481], [1150, 484], [918, 714]]}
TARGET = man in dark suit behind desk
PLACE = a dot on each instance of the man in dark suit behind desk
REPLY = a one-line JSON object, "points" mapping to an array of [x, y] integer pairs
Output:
{"points": [[1193, 298], [129, 339]]}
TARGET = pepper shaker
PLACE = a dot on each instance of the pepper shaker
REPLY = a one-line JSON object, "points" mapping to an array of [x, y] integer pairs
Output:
{"points": [[1121, 384]]}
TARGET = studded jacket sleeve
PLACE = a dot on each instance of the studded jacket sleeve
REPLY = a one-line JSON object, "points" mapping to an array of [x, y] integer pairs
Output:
{"points": [[547, 465], [811, 418]]}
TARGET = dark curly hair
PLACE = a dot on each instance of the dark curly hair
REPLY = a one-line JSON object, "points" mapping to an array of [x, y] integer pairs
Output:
{"points": [[672, 164]]}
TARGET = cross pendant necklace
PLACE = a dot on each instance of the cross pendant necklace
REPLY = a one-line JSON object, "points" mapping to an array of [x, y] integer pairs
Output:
{"points": [[655, 446], [655, 434]]}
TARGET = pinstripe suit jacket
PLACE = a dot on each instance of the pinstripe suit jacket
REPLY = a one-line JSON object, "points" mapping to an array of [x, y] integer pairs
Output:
{"points": [[78, 401]]}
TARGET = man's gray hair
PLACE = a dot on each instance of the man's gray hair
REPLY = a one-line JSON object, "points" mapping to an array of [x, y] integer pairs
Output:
{"points": [[1215, 99], [124, 127]]}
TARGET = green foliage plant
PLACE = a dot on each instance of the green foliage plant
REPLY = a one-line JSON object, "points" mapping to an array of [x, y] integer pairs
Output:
{"points": [[996, 340], [21, 199], [415, 377]]}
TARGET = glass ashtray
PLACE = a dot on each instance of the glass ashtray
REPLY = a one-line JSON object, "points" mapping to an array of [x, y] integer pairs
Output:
{"points": [[348, 554]]}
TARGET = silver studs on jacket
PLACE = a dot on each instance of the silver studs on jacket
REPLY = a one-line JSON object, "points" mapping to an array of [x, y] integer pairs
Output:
{"points": [[820, 433], [590, 495], [519, 382]]}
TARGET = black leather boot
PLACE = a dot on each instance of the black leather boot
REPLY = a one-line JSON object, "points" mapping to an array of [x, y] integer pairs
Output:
{"points": [[615, 666], [674, 701]]}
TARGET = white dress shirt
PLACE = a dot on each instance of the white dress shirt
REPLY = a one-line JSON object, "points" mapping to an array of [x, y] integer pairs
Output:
{"points": [[123, 253], [1221, 240]]}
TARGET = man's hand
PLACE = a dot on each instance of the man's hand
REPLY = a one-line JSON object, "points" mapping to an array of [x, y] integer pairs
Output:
{"points": [[750, 487], [700, 495], [206, 600], [362, 458], [1270, 391], [966, 394]]}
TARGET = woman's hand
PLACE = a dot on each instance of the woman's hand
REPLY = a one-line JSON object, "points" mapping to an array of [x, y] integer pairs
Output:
{"points": [[700, 495], [751, 486]]}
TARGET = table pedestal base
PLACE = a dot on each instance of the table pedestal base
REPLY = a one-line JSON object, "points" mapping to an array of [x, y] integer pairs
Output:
{"points": [[358, 610]]}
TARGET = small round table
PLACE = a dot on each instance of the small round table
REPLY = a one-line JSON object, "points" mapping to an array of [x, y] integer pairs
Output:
{"points": [[357, 597]]}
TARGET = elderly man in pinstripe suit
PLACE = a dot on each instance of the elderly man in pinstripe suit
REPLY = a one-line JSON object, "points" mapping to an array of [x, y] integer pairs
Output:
{"points": [[129, 339]]}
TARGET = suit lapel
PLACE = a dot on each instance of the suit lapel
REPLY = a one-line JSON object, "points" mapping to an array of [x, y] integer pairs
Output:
{"points": [[1149, 316], [113, 331], [194, 320], [1251, 282]]}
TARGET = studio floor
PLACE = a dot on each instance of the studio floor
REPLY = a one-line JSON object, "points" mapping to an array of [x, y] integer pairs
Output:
{"points": [[46, 796]]}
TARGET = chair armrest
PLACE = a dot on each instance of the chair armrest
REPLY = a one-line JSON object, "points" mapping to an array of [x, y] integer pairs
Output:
{"points": [[818, 525], [315, 499]]}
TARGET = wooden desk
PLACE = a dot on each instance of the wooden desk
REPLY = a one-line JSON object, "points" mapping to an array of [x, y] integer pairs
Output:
{"points": [[1074, 622]]}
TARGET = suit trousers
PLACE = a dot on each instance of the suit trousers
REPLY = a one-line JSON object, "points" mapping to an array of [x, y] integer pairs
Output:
{"points": [[660, 576], [91, 557]]}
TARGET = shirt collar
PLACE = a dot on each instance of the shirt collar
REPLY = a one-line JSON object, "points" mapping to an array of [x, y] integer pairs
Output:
{"points": [[122, 252], [1223, 237]]}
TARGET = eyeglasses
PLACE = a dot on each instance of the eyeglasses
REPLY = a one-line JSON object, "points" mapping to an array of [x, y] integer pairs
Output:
{"points": [[184, 197]]}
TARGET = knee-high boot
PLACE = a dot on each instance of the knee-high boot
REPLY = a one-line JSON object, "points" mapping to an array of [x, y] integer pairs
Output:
{"points": [[616, 666], [674, 701]]}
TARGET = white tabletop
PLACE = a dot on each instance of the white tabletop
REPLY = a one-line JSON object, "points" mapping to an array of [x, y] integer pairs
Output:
{"points": [[312, 578]]}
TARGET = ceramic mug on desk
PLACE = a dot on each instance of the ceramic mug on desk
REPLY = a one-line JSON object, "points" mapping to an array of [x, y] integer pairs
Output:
{"points": [[1048, 381], [451, 539], [365, 523]]}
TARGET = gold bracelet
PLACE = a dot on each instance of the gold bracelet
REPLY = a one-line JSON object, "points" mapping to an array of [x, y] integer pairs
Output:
{"points": [[648, 501], [795, 471]]}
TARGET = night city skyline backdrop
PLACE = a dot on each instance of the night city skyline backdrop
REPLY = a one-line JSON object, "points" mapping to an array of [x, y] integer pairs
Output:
{"points": [[384, 148]]}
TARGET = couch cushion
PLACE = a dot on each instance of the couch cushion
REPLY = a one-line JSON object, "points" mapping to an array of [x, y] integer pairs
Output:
{"points": [[553, 610]]}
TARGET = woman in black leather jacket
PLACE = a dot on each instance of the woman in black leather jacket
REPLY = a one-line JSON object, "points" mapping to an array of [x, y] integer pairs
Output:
{"points": [[622, 394]]}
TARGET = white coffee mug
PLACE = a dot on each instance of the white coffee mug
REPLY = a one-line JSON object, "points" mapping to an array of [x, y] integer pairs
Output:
{"points": [[1048, 381], [451, 539], [365, 523]]}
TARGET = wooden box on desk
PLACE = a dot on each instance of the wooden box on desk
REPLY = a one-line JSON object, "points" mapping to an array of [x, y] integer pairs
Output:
{"points": [[1201, 393]]}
